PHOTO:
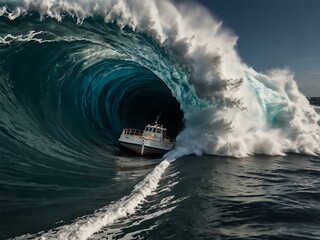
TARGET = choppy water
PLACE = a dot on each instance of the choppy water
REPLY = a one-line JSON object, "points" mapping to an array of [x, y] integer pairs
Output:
{"points": [[198, 198], [224, 198], [73, 74]]}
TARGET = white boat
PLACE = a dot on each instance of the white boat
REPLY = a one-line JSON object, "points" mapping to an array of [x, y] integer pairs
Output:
{"points": [[150, 141]]}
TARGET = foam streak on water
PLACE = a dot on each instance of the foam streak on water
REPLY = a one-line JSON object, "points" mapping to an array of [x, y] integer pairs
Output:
{"points": [[86, 226]]}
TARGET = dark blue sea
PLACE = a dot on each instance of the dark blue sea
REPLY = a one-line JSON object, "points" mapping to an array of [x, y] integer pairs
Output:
{"points": [[73, 74]]}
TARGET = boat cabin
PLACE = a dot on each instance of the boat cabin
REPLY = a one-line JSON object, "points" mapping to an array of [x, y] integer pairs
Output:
{"points": [[155, 131]]}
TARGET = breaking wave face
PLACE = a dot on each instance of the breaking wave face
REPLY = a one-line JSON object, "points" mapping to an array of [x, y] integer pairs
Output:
{"points": [[74, 73]]}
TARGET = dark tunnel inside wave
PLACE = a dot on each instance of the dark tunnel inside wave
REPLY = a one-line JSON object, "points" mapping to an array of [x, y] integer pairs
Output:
{"points": [[80, 105], [123, 94]]}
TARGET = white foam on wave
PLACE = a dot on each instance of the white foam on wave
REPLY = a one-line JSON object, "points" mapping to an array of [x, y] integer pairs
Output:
{"points": [[31, 36]]}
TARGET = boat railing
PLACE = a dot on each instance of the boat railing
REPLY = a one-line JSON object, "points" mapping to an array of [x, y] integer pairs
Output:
{"points": [[132, 131]]}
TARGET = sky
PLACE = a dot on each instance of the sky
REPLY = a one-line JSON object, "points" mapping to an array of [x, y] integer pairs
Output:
{"points": [[275, 34]]}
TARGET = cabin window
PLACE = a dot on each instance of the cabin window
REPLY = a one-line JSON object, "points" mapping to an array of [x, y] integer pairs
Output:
{"points": [[154, 130], [158, 130], [164, 133]]}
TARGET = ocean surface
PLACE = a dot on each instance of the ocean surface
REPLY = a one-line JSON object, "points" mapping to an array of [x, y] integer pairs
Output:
{"points": [[73, 74]]}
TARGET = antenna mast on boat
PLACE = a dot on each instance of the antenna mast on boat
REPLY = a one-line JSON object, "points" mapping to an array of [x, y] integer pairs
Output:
{"points": [[158, 118]]}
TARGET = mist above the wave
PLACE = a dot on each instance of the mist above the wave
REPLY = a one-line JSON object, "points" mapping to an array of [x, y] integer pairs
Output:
{"points": [[237, 111]]}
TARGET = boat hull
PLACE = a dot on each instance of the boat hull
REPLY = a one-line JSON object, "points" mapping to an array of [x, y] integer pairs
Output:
{"points": [[143, 149], [144, 146]]}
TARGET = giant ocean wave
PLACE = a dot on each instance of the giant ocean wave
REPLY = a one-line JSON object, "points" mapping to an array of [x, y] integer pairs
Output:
{"points": [[98, 66], [74, 73]]}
